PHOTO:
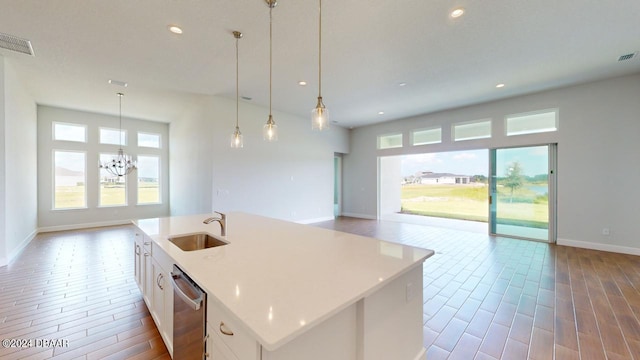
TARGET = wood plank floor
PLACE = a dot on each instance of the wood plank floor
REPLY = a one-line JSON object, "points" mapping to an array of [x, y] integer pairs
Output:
{"points": [[77, 287], [485, 298]]}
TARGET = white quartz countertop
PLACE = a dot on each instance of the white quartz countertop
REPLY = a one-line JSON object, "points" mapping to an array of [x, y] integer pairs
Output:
{"points": [[280, 278]]}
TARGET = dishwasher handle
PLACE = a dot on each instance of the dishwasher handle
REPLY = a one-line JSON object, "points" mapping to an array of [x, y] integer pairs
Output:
{"points": [[194, 303]]}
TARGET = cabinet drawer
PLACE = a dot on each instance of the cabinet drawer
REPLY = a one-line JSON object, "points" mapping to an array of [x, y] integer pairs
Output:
{"points": [[216, 349], [231, 333]]}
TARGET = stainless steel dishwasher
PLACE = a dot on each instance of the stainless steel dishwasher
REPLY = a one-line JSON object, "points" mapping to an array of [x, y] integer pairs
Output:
{"points": [[189, 317]]}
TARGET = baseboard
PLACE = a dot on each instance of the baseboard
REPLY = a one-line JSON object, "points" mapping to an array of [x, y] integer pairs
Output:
{"points": [[316, 220], [599, 246], [422, 355], [83, 226], [15, 252], [361, 216]]}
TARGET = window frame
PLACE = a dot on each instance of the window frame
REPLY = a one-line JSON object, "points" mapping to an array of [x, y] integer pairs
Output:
{"points": [[149, 133], [413, 132], [555, 111], [465, 123], [83, 126], [380, 137], [53, 180], [160, 185]]}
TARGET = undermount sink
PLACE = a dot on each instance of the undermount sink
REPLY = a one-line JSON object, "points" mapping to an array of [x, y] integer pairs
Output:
{"points": [[196, 242]]}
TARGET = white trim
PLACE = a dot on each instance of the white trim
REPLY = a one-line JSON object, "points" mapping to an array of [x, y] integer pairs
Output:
{"points": [[23, 244], [83, 226], [599, 246], [361, 216], [422, 355], [316, 220]]}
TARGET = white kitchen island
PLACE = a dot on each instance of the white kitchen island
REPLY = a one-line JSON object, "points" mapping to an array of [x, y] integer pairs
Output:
{"points": [[289, 291]]}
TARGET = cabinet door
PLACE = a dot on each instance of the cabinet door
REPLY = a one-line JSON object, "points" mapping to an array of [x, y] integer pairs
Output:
{"points": [[137, 267], [147, 273], [157, 295], [216, 349]]}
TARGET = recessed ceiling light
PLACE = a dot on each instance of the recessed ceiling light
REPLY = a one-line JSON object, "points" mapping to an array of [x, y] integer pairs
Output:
{"points": [[118, 82], [175, 29], [456, 13], [380, 112], [500, 85], [302, 83], [402, 84]]}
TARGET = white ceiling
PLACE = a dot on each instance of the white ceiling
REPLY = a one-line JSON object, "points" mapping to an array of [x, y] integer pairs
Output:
{"points": [[369, 48]]}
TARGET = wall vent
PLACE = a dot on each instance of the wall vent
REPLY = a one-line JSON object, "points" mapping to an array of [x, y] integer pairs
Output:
{"points": [[628, 56], [13, 43]]}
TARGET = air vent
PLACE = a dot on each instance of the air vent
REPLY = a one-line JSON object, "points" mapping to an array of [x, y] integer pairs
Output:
{"points": [[628, 56], [13, 43]]}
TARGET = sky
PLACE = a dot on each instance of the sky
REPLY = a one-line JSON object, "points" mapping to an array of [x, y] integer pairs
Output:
{"points": [[534, 161]]}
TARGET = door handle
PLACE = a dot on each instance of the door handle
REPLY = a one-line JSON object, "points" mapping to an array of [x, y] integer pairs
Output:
{"points": [[194, 303]]}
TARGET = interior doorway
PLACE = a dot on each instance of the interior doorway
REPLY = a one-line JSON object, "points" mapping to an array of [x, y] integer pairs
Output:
{"points": [[447, 189], [337, 184], [522, 192]]}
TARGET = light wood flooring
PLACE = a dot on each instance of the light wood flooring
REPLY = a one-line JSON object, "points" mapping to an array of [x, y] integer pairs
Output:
{"points": [[485, 297]]}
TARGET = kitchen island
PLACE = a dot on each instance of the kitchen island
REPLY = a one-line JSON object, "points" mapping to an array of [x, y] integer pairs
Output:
{"points": [[289, 291]]}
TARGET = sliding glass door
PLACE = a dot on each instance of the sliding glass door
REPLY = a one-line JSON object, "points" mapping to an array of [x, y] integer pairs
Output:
{"points": [[522, 192]]}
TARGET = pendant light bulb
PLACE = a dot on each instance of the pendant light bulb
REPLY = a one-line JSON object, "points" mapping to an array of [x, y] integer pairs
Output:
{"points": [[236, 136], [320, 115], [236, 139], [270, 129]]}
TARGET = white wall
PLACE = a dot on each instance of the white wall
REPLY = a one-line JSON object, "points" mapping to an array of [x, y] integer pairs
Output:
{"points": [[18, 163], [3, 200], [94, 215], [598, 147], [289, 179]]}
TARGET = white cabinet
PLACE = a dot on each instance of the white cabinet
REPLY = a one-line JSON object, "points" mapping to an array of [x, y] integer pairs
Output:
{"points": [[137, 256], [152, 271], [216, 349], [230, 333]]}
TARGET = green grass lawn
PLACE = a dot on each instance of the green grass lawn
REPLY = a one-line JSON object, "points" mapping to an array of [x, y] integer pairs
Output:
{"points": [[470, 202], [70, 197]]}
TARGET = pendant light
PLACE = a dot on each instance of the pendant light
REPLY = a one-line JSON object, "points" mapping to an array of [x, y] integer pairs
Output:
{"points": [[270, 129], [121, 164], [236, 136], [320, 115]]}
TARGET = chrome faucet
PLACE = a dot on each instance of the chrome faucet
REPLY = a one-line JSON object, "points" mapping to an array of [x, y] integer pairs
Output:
{"points": [[222, 220]]}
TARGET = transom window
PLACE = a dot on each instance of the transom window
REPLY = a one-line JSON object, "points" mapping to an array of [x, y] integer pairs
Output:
{"points": [[69, 132]]}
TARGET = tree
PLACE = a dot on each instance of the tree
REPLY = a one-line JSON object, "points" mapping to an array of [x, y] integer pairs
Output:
{"points": [[514, 178]]}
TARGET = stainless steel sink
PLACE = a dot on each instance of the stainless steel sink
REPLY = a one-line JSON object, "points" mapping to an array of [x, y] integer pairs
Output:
{"points": [[196, 242]]}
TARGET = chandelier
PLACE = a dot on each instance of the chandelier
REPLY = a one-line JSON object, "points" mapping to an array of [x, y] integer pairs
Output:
{"points": [[122, 164]]}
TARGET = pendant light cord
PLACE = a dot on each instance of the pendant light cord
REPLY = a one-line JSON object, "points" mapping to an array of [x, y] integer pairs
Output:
{"points": [[237, 86], [270, 55], [320, 53], [120, 95]]}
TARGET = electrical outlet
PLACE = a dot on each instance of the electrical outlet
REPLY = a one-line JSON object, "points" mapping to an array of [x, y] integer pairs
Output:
{"points": [[605, 231]]}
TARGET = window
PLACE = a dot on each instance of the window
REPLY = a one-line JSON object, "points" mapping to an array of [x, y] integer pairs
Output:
{"points": [[110, 136], [390, 141], [148, 179], [69, 180], [69, 132], [426, 136], [113, 189], [472, 130], [149, 140], [531, 123]]}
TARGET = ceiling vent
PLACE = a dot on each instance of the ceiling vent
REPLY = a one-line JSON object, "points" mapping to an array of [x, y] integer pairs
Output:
{"points": [[13, 43], [628, 56]]}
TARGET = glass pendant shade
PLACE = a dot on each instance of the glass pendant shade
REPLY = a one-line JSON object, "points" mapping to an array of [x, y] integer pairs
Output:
{"points": [[320, 117], [236, 139], [270, 130]]}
